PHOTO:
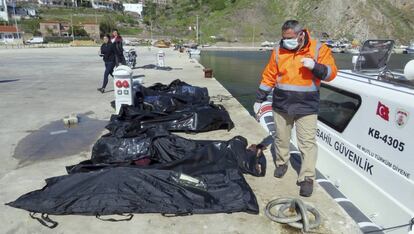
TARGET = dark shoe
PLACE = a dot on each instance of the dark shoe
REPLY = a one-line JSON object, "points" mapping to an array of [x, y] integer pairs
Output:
{"points": [[280, 171], [306, 187], [102, 90]]}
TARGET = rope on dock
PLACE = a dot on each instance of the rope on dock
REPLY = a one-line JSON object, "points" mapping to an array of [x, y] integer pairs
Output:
{"points": [[410, 229]]}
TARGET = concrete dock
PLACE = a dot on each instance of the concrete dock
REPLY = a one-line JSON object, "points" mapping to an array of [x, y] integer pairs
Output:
{"points": [[38, 87]]}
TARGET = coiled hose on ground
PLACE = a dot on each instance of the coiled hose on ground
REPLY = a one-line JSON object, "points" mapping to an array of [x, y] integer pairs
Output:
{"points": [[299, 219]]}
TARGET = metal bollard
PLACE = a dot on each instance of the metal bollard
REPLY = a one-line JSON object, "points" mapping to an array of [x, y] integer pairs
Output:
{"points": [[208, 73], [160, 58], [123, 87]]}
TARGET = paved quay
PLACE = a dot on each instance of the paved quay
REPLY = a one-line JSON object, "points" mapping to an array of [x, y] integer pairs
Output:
{"points": [[38, 87]]}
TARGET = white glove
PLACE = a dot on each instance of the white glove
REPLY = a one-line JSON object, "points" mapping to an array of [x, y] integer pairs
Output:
{"points": [[256, 107], [308, 63]]}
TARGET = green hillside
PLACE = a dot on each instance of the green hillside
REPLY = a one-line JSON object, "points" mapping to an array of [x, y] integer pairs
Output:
{"points": [[247, 21], [243, 20], [126, 23]]}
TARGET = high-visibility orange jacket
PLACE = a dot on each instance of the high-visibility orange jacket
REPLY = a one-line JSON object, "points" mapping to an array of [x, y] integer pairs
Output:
{"points": [[296, 88]]}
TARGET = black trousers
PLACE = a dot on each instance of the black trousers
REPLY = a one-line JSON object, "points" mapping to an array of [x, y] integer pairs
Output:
{"points": [[109, 68], [120, 60]]}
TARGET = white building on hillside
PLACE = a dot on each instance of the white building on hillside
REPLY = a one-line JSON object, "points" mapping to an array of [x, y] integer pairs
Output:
{"points": [[107, 4], [158, 2], [133, 7], [3, 11], [10, 35], [66, 3], [10, 2]]}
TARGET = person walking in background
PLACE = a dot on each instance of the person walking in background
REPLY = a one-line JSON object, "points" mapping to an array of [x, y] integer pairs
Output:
{"points": [[119, 49], [295, 70], [108, 53]]}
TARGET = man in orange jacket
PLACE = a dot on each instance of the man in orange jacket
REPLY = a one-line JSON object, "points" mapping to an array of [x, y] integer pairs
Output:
{"points": [[294, 72]]}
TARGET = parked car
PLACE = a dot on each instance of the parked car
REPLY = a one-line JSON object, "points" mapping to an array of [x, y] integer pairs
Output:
{"points": [[35, 40]]}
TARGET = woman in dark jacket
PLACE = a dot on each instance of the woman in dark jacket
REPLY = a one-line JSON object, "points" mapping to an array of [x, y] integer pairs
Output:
{"points": [[108, 53], [119, 49]]}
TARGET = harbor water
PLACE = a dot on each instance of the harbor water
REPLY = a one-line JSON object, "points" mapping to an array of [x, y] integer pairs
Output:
{"points": [[240, 71]]}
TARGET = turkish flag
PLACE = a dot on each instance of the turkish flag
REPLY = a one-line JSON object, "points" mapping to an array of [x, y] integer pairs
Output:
{"points": [[383, 111]]}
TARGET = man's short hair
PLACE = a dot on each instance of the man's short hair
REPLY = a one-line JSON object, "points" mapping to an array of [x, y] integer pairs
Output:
{"points": [[292, 24]]}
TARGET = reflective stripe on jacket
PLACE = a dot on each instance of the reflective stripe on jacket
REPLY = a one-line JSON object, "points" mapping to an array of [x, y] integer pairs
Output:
{"points": [[296, 88]]}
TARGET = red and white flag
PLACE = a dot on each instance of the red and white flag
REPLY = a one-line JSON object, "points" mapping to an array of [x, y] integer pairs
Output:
{"points": [[383, 111]]}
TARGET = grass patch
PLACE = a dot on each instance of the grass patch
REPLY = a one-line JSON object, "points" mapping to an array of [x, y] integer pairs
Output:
{"points": [[130, 31]]}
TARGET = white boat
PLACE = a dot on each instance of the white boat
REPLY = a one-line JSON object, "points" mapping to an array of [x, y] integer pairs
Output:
{"points": [[194, 52], [365, 139], [337, 50], [352, 51], [337, 46], [410, 49], [267, 44]]}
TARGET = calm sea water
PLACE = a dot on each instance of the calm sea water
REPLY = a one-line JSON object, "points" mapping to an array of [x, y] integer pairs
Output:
{"points": [[240, 71]]}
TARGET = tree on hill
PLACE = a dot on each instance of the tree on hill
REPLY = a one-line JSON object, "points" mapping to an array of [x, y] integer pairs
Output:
{"points": [[149, 12], [106, 26], [78, 31]]}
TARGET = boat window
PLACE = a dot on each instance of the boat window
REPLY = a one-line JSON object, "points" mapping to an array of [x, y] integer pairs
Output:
{"points": [[337, 107]]}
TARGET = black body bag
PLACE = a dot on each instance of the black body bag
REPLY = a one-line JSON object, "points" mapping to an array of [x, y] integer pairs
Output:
{"points": [[209, 181], [169, 98], [198, 118], [156, 147]]}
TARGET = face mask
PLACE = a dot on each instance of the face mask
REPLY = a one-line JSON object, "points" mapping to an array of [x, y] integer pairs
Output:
{"points": [[290, 44]]}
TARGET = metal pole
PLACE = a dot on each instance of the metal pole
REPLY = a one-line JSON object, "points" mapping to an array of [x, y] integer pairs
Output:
{"points": [[197, 31], [71, 23], [15, 20], [254, 31], [151, 31]]}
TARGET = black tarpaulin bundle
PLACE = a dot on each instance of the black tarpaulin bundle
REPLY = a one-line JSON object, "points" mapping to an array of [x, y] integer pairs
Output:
{"points": [[169, 98], [161, 147], [177, 107], [209, 181], [140, 167], [192, 118], [156, 144], [179, 87], [121, 190]]}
